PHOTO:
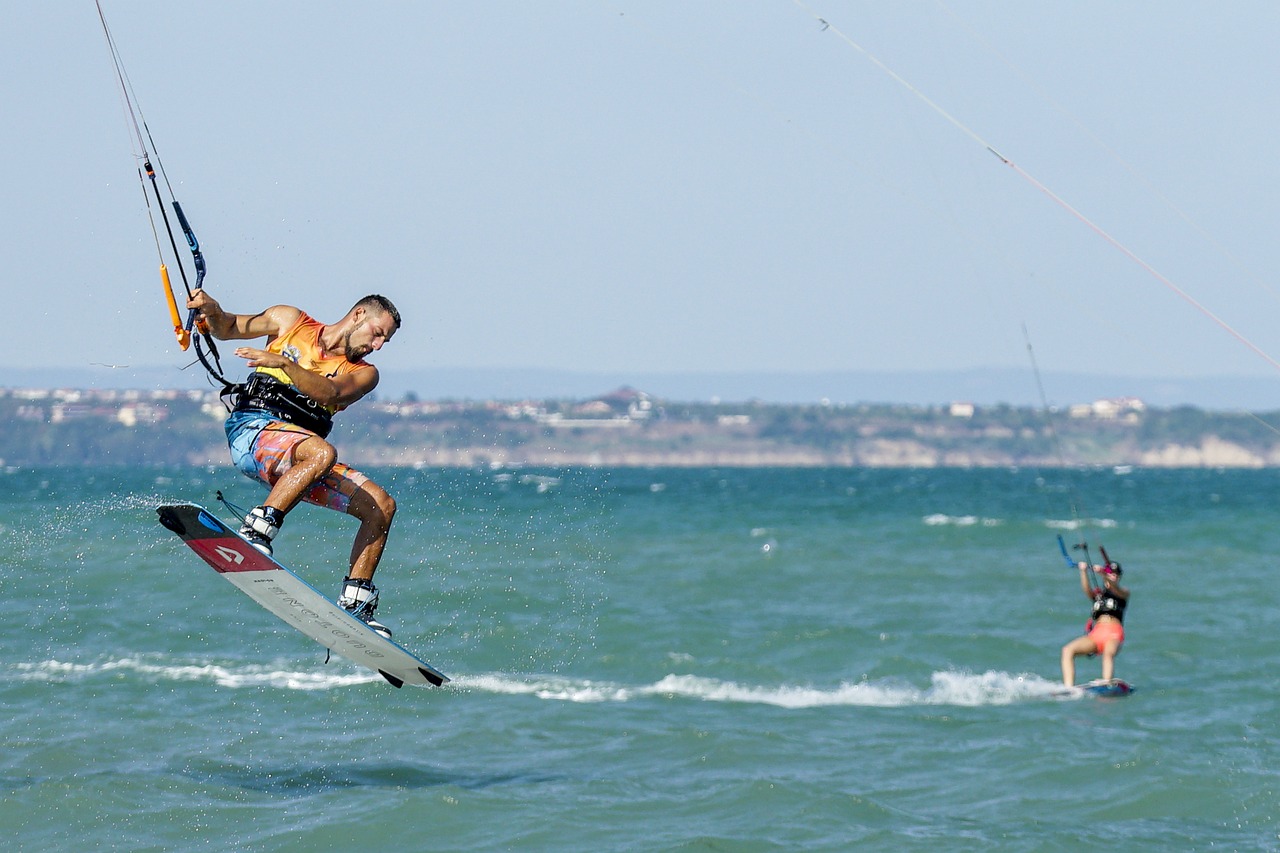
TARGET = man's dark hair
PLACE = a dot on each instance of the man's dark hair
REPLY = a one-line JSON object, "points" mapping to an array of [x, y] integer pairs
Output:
{"points": [[382, 303]]}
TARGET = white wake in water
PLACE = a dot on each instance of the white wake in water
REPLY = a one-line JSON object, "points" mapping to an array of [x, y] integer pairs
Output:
{"points": [[940, 519], [945, 688], [157, 669]]}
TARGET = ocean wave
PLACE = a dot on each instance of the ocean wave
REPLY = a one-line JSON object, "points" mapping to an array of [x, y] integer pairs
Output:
{"points": [[249, 675], [938, 519], [1076, 524], [549, 687], [945, 688]]}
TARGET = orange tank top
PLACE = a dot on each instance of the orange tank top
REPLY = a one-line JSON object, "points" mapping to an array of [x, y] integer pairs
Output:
{"points": [[300, 343]]}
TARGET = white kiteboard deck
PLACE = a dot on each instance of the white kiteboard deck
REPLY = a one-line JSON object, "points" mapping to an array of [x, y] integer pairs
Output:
{"points": [[293, 599]]}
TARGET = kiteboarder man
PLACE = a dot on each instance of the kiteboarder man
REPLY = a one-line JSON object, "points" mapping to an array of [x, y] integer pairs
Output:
{"points": [[282, 415]]}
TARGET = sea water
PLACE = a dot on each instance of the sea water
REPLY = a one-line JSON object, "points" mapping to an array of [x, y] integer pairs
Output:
{"points": [[651, 659]]}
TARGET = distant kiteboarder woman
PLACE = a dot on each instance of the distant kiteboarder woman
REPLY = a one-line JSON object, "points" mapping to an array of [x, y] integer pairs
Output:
{"points": [[1104, 634]]}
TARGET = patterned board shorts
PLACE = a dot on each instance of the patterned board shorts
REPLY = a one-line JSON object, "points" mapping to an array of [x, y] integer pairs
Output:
{"points": [[262, 448]]}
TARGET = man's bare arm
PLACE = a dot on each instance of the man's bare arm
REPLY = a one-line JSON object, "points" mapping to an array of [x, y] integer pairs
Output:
{"points": [[226, 326]]}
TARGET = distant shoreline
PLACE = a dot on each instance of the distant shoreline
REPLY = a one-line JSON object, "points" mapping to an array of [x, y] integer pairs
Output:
{"points": [[628, 428]]}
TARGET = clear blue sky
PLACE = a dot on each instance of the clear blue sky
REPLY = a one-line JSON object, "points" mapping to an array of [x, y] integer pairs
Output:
{"points": [[659, 186]]}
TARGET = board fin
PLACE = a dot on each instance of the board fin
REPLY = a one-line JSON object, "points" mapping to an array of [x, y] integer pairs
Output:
{"points": [[395, 682], [431, 676]]}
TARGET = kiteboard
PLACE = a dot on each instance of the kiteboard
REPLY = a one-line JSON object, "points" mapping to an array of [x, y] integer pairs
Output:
{"points": [[1111, 689], [1114, 687], [292, 599]]}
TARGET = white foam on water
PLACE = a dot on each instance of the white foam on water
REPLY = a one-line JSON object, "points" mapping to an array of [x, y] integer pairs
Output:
{"points": [[946, 688], [938, 519], [951, 687], [548, 687], [1072, 524], [249, 675]]}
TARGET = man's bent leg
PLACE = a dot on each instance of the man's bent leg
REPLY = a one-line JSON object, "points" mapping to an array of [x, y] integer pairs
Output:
{"points": [[347, 490], [375, 509], [291, 461], [312, 459]]}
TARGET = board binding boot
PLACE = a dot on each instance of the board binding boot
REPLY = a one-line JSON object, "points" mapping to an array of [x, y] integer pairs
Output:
{"points": [[261, 526], [360, 598]]}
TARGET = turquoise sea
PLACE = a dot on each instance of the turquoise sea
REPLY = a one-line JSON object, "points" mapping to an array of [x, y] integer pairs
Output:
{"points": [[651, 660]]}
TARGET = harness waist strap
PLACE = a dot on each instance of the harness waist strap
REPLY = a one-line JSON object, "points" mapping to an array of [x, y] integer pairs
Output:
{"points": [[263, 393]]}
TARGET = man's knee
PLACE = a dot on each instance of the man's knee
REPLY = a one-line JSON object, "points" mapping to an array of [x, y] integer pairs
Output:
{"points": [[319, 451], [387, 505], [315, 456], [374, 504]]}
